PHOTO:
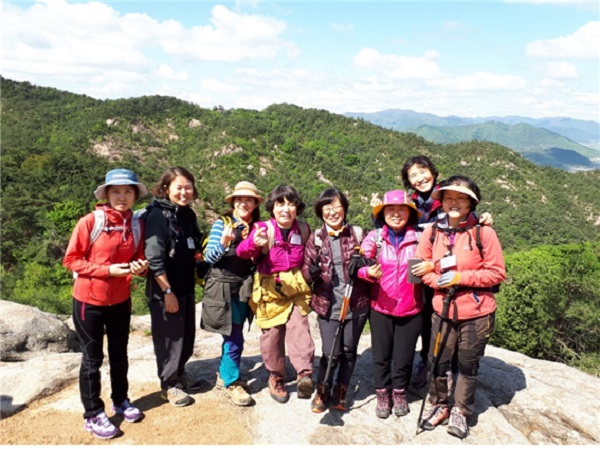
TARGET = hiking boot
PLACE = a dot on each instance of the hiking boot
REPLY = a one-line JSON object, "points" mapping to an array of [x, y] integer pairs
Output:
{"points": [[340, 393], [305, 386], [383, 408], [237, 394], [320, 400], [129, 412], [220, 383], [400, 407], [176, 396], [419, 377], [277, 390], [101, 427], [458, 424], [189, 385], [438, 414]]}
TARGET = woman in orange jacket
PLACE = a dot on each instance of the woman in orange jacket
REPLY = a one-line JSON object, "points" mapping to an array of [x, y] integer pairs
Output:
{"points": [[468, 261]]}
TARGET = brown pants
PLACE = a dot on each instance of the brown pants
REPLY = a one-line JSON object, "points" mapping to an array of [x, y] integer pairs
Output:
{"points": [[468, 339], [301, 348]]}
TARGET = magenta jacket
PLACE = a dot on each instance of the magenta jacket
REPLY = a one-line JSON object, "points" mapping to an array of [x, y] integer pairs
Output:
{"points": [[392, 294], [282, 256]]}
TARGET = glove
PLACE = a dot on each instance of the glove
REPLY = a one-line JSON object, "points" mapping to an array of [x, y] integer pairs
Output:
{"points": [[449, 279], [357, 262], [314, 271]]}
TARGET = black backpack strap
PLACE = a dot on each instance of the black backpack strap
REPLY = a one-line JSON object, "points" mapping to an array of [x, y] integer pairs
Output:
{"points": [[478, 239]]}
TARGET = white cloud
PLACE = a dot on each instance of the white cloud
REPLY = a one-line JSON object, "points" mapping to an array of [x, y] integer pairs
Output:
{"points": [[480, 81], [398, 67], [166, 72], [342, 27], [218, 86], [561, 70], [582, 44]]}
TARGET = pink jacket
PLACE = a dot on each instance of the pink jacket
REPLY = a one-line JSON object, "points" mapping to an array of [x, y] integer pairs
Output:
{"points": [[282, 256], [473, 298], [392, 294]]}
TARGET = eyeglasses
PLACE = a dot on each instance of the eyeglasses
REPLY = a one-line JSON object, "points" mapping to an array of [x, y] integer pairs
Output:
{"points": [[329, 209], [455, 200]]}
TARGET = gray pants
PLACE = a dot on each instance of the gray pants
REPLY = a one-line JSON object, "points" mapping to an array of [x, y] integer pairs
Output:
{"points": [[173, 335]]}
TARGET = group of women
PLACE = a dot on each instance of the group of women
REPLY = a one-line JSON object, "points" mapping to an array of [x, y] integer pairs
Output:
{"points": [[275, 272]]}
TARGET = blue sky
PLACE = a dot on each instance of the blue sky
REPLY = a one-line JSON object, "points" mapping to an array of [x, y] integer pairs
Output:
{"points": [[471, 59]]}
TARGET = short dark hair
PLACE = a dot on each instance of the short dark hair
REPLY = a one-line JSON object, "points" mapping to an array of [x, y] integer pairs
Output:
{"points": [[421, 161], [255, 213], [284, 192], [328, 196], [161, 187], [465, 181]]}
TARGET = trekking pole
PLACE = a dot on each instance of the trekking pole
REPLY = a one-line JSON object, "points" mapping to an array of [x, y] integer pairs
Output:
{"points": [[343, 313], [436, 351]]}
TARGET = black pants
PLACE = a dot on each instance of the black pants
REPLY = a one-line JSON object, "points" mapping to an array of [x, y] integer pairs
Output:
{"points": [[90, 323], [344, 354], [427, 313], [393, 340], [173, 335]]}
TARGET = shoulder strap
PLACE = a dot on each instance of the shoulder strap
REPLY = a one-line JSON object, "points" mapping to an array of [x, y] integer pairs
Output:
{"points": [[378, 242], [434, 228], [137, 231], [99, 222], [303, 231], [358, 233], [478, 239]]}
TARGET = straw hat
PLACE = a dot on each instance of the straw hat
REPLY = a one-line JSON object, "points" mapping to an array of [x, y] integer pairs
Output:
{"points": [[395, 197], [244, 188], [437, 194]]}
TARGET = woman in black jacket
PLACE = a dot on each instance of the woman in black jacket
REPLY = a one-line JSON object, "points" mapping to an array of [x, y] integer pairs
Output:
{"points": [[172, 238], [326, 261]]}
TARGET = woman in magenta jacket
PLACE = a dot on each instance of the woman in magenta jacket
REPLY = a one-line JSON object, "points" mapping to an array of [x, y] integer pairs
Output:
{"points": [[395, 303]]}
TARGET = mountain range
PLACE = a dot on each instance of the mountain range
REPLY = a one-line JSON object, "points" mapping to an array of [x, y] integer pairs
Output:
{"points": [[559, 142]]}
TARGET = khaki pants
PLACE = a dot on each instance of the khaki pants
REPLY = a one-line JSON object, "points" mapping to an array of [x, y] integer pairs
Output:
{"points": [[301, 348], [468, 339]]}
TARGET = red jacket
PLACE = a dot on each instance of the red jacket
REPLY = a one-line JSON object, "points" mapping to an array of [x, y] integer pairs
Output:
{"points": [[93, 284], [473, 298]]}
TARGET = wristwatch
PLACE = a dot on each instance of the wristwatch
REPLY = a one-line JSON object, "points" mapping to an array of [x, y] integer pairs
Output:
{"points": [[168, 291]]}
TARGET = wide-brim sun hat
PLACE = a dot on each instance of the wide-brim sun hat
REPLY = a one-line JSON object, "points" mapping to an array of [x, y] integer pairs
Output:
{"points": [[399, 197], [120, 177], [437, 194], [244, 188]]}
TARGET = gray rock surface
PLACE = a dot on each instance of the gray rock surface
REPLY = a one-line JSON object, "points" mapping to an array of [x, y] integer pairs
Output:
{"points": [[519, 400]]}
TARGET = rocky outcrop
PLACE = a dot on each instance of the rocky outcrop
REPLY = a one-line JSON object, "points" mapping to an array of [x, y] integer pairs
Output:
{"points": [[26, 332], [519, 400]]}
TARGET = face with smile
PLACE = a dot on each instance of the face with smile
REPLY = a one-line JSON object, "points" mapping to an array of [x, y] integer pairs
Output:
{"points": [[457, 205], [284, 213], [396, 216], [333, 214], [180, 191], [244, 206], [121, 198], [420, 178]]}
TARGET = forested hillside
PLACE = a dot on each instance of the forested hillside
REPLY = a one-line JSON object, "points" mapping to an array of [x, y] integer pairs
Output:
{"points": [[56, 147]]}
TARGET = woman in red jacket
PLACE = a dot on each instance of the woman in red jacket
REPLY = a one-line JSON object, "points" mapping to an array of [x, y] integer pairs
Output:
{"points": [[103, 263], [468, 262]]}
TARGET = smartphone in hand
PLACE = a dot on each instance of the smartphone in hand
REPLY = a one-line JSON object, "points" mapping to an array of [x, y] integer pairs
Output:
{"points": [[412, 279]]}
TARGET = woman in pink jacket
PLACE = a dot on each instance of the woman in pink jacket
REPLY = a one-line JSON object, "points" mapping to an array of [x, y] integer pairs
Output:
{"points": [[281, 296], [395, 303], [466, 267]]}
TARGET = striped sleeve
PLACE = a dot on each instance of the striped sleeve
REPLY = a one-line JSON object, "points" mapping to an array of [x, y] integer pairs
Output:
{"points": [[214, 249]]}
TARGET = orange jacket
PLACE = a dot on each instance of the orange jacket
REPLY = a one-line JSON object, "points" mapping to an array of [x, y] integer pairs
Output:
{"points": [[93, 284], [473, 298]]}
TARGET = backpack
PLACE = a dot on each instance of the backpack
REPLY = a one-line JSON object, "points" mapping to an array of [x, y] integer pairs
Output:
{"points": [[100, 225], [435, 228], [202, 266], [304, 233]]}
